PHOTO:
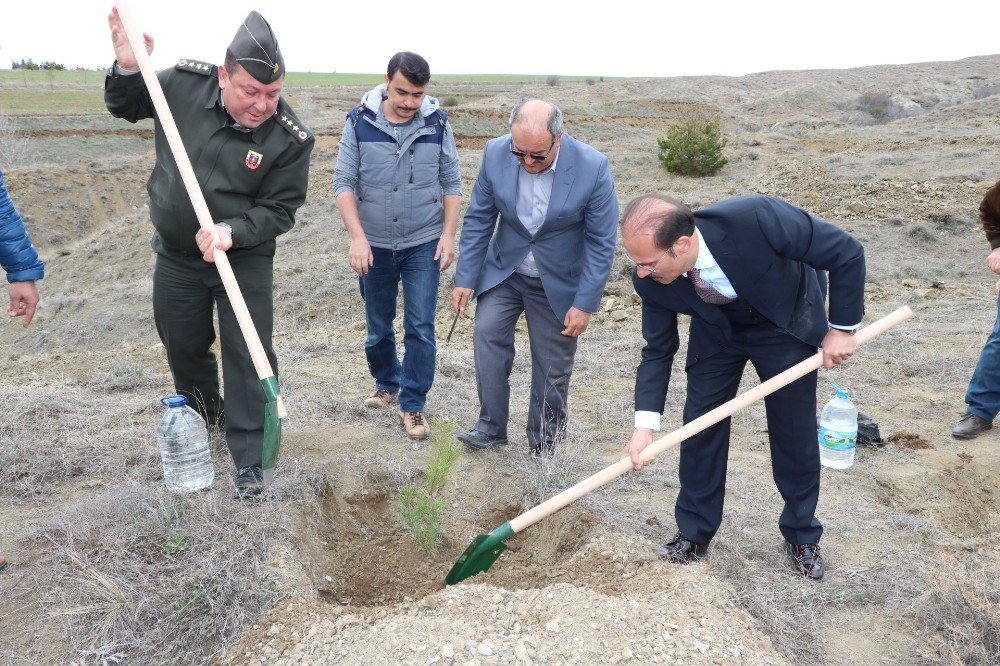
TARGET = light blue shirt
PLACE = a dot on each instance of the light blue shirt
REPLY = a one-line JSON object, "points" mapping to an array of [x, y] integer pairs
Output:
{"points": [[533, 193]]}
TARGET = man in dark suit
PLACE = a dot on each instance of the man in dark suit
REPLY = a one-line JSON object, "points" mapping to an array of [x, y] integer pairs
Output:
{"points": [[748, 271], [538, 238]]}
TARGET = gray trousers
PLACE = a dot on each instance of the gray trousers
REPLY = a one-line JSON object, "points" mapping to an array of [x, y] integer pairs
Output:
{"points": [[552, 355]]}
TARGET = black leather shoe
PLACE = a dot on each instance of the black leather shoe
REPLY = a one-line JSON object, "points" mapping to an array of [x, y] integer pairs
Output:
{"points": [[249, 482], [536, 451], [806, 559], [681, 550], [480, 440], [970, 426]]}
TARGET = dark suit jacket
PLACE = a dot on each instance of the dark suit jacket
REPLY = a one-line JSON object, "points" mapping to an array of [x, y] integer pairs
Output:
{"points": [[573, 248], [771, 252]]}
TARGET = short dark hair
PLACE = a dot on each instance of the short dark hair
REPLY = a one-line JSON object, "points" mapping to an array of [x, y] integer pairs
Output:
{"points": [[410, 65], [664, 218], [230, 63]]}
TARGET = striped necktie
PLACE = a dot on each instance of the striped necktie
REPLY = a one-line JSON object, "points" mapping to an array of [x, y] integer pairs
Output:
{"points": [[705, 290]]}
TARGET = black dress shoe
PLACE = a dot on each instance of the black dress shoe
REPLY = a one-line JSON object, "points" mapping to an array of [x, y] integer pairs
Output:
{"points": [[480, 440], [249, 482], [806, 559], [536, 451], [681, 550]]}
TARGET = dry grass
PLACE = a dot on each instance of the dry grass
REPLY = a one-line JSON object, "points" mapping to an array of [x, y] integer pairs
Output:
{"points": [[962, 607], [137, 573], [15, 147]]}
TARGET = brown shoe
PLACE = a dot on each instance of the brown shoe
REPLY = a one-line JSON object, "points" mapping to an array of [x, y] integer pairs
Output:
{"points": [[806, 559], [415, 424], [681, 550], [380, 399], [970, 426]]}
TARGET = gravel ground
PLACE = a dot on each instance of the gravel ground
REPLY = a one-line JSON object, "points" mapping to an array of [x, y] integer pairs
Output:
{"points": [[667, 614]]}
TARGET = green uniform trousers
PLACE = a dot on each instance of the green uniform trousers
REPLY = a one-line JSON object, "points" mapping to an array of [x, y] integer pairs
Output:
{"points": [[185, 288]]}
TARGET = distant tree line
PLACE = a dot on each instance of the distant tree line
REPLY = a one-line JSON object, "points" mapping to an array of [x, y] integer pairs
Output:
{"points": [[31, 64]]}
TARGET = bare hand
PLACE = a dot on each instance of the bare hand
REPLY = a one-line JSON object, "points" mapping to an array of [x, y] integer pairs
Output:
{"points": [[993, 261], [23, 301], [838, 346], [360, 256], [445, 252], [207, 244], [460, 298], [576, 322], [123, 50], [641, 438]]}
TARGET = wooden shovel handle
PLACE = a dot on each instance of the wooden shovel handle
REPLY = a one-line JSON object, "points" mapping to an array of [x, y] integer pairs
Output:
{"points": [[166, 119], [553, 504]]}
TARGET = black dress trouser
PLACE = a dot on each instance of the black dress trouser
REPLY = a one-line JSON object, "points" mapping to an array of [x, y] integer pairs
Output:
{"points": [[186, 289], [791, 422]]}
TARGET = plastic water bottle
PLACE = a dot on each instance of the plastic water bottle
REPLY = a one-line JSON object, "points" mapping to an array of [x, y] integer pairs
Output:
{"points": [[183, 440], [838, 431]]}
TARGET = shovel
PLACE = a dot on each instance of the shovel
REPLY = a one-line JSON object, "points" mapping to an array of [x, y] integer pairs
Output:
{"points": [[486, 548], [274, 410]]}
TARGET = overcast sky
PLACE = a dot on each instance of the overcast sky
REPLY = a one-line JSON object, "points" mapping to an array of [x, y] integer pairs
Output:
{"points": [[538, 37]]}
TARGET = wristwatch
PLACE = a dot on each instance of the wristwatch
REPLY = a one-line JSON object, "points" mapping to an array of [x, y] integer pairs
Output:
{"points": [[226, 226]]}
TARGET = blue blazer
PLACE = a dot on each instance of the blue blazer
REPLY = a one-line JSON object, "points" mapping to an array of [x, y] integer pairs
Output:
{"points": [[773, 254], [573, 248]]}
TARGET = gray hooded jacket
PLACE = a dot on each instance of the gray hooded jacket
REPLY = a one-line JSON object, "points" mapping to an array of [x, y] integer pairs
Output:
{"points": [[398, 173]]}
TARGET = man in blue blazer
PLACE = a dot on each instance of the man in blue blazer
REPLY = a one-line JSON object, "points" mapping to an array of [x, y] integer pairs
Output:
{"points": [[538, 238], [750, 273]]}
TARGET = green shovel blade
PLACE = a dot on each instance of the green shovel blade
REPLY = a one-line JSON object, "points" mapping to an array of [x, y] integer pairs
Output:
{"points": [[272, 424], [480, 555]]}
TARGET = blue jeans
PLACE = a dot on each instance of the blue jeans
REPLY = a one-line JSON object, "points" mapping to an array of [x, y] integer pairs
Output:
{"points": [[420, 274], [983, 395]]}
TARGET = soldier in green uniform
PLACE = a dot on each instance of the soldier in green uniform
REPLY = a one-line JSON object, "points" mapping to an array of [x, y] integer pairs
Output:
{"points": [[250, 153]]}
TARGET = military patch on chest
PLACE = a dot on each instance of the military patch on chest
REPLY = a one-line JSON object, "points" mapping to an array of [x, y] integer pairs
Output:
{"points": [[253, 159]]}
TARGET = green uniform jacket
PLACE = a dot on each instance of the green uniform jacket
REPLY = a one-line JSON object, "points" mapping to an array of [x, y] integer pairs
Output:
{"points": [[252, 180]]}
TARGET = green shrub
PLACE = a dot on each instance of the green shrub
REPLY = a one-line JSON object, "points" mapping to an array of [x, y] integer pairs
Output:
{"points": [[693, 147]]}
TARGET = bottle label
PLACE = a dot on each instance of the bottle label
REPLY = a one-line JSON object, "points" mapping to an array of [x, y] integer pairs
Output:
{"points": [[838, 440]]}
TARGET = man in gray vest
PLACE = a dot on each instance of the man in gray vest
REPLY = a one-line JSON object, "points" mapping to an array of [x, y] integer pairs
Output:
{"points": [[399, 189]]}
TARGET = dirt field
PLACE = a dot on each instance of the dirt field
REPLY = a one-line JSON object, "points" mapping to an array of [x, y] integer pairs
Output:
{"points": [[108, 567]]}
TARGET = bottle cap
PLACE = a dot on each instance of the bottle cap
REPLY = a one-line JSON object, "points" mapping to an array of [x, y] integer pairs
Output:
{"points": [[841, 393], [174, 401]]}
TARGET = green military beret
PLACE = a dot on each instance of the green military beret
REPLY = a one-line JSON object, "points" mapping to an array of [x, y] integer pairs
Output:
{"points": [[256, 49]]}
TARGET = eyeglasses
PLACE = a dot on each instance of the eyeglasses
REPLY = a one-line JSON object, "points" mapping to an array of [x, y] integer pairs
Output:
{"points": [[536, 158], [649, 268]]}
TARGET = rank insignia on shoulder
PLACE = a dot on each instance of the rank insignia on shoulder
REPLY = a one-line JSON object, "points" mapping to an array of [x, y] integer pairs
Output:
{"points": [[292, 124], [253, 159], [195, 66]]}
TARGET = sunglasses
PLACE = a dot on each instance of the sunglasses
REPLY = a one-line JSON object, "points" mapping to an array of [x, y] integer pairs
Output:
{"points": [[536, 158]]}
